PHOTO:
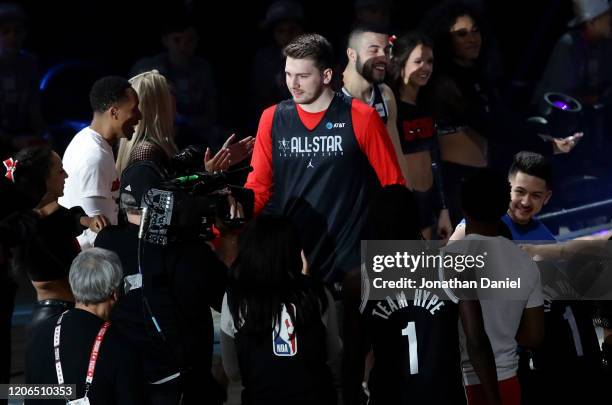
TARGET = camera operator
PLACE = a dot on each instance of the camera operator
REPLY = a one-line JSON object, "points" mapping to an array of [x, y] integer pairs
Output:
{"points": [[166, 313]]}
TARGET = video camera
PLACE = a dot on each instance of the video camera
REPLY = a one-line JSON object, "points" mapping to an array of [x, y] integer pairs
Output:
{"points": [[188, 207]]}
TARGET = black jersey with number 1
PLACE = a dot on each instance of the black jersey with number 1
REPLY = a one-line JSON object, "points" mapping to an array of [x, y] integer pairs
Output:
{"points": [[415, 341]]}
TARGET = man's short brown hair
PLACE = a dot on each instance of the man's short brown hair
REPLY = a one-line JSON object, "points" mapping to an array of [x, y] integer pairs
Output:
{"points": [[311, 46]]}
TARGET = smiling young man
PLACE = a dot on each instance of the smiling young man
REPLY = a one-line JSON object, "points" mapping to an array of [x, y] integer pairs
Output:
{"points": [[93, 181], [530, 177], [318, 158]]}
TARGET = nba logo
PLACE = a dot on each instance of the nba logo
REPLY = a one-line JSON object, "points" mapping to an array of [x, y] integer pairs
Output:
{"points": [[284, 340]]}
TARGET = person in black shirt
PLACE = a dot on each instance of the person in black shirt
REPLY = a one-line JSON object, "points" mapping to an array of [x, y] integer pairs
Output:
{"points": [[49, 247], [278, 325], [95, 276], [411, 69], [389, 328], [180, 282]]}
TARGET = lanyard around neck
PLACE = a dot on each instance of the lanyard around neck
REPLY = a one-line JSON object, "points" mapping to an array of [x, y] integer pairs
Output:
{"points": [[93, 358]]}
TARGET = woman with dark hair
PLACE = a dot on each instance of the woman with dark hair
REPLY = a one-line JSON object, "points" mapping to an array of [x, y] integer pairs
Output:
{"points": [[476, 129], [278, 325], [46, 256], [411, 68], [460, 100]]}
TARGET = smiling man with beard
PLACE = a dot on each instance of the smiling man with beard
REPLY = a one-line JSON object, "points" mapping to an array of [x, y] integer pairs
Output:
{"points": [[93, 181], [368, 56]]}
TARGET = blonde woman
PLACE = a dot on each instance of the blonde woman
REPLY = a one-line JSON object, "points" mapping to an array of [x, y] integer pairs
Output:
{"points": [[153, 139]]}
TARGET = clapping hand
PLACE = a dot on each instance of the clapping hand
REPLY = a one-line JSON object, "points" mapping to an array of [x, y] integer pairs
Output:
{"points": [[231, 153]]}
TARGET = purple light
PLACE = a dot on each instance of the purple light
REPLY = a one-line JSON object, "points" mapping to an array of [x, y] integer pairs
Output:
{"points": [[561, 105]]}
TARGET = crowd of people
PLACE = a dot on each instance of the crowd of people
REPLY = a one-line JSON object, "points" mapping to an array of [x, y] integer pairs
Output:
{"points": [[408, 139]]}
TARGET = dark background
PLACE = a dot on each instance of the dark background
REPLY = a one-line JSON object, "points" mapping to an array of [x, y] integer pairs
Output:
{"points": [[114, 34]]}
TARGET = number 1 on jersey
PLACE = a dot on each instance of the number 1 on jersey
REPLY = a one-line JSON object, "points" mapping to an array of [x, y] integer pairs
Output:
{"points": [[410, 331]]}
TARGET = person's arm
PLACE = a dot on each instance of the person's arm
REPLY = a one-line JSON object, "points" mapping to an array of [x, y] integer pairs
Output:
{"points": [[95, 223], [229, 355], [260, 180], [530, 333], [531, 329], [18, 227], [94, 188], [565, 250], [74, 219], [565, 145], [459, 232], [334, 344], [240, 150], [479, 348], [355, 346], [392, 129], [375, 143], [94, 206], [444, 226]]}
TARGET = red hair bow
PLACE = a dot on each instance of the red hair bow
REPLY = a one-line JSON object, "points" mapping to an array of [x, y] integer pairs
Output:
{"points": [[10, 165]]}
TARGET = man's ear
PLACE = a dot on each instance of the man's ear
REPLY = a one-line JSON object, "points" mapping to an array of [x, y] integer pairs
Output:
{"points": [[547, 197], [113, 112], [351, 54], [327, 76]]}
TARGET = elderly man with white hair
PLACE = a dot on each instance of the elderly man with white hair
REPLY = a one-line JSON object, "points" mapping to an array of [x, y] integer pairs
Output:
{"points": [[80, 346]]}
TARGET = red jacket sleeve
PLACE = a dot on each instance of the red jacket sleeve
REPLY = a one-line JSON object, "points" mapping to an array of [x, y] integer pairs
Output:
{"points": [[260, 179], [376, 144]]}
